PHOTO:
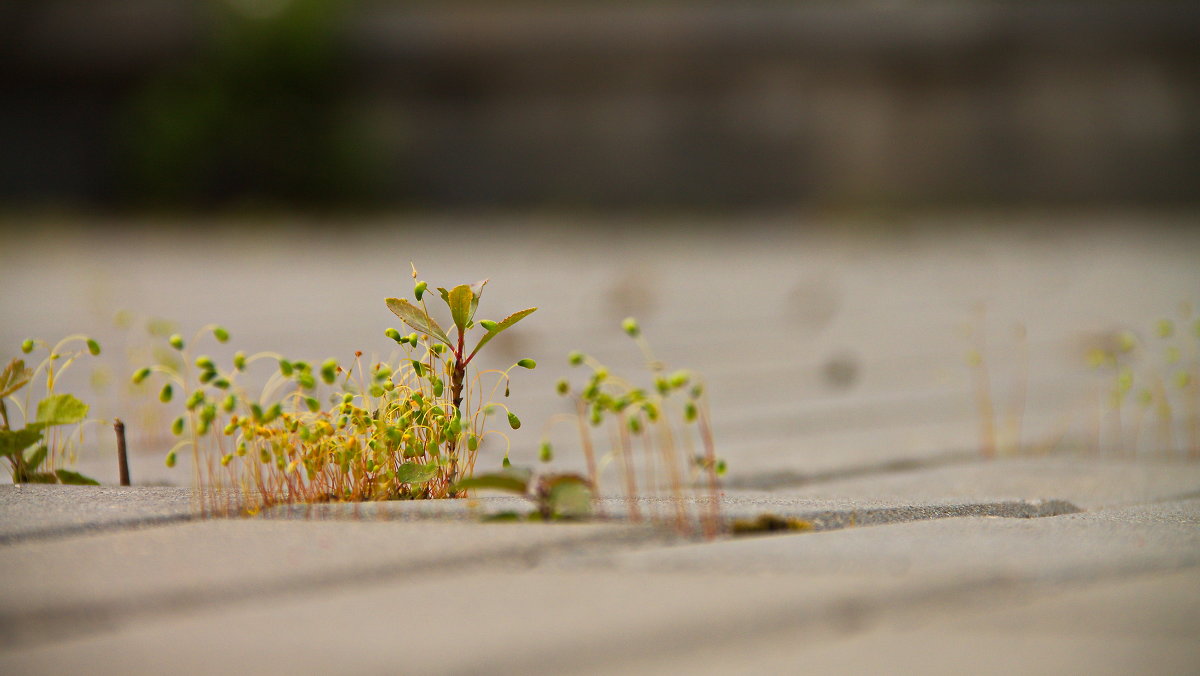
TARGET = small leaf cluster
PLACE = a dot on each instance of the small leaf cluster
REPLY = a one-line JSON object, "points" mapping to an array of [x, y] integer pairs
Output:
{"points": [[28, 449]]}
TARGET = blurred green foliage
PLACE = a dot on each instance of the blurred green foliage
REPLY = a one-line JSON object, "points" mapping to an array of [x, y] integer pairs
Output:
{"points": [[256, 115]]}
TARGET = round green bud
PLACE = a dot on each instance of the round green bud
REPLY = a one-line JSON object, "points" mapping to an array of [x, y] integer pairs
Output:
{"points": [[575, 358], [312, 404], [438, 387], [140, 375], [228, 403], [221, 383], [488, 325], [513, 421], [93, 347], [177, 426], [166, 393], [221, 334], [394, 335], [208, 414], [412, 339], [473, 443], [527, 363], [347, 398], [630, 326], [419, 290], [176, 341], [171, 459], [679, 379], [207, 376], [563, 387], [27, 346], [286, 368], [546, 452], [239, 361]]}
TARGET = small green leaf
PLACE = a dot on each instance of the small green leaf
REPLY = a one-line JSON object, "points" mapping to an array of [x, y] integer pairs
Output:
{"points": [[417, 318], [75, 478], [16, 441], [499, 482], [61, 409], [505, 323], [414, 473], [569, 497], [459, 300], [14, 377]]}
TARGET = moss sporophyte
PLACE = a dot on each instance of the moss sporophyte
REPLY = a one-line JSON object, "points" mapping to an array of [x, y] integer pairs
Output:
{"points": [[408, 427]]}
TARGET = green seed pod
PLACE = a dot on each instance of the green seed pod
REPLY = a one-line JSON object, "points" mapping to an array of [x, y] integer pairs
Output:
{"points": [[208, 414], [329, 371], [221, 383], [286, 368], [662, 385], [394, 335], [563, 387], [527, 364], [418, 368], [419, 290], [473, 443], [679, 379], [221, 334], [239, 361], [412, 338], [343, 421], [306, 380], [347, 398], [176, 341], [93, 347], [437, 348], [256, 412], [689, 412], [600, 375], [635, 425], [229, 403], [171, 459], [513, 421], [177, 426], [631, 327], [207, 376], [273, 412], [455, 427], [438, 387], [546, 452], [488, 325], [302, 366], [505, 463], [230, 429], [195, 400], [140, 375], [167, 392], [575, 358], [27, 346], [383, 373]]}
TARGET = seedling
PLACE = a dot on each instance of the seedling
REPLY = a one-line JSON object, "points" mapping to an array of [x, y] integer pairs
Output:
{"points": [[41, 423], [555, 496]]}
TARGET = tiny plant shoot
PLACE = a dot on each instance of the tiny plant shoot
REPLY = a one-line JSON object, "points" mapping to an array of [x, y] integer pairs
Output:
{"points": [[41, 431]]}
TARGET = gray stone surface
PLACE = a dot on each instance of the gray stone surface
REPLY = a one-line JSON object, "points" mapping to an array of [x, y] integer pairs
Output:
{"points": [[35, 510]]}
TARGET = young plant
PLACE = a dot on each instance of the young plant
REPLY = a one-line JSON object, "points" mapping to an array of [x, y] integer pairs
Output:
{"points": [[385, 430], [665, 420], [555, 496], [41, 434]]}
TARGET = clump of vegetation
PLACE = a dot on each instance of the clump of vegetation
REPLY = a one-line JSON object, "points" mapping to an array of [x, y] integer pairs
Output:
{"points": [[666, 424], [36, 450], [404, 428], [768, 523]]}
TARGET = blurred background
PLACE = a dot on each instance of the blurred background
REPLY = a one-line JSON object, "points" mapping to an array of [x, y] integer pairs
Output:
{"points": [[832, 209]]}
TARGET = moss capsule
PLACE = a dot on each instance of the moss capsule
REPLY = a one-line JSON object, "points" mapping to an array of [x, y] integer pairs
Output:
{"points": [[93, 347], [176, 341], [171, 459], [419, 290], [575, 358], [563, 387], [239, 361], [473, 443], [140, 375], [630, 326], [513, 421], [546, 452], [394, 335], [177, 426], [27, 346], [166, 393], [527, 363], [488, 325], [221, 334]]}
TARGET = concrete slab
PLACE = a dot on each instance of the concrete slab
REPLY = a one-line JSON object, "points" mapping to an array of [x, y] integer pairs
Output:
{"points": [[37, 511]]}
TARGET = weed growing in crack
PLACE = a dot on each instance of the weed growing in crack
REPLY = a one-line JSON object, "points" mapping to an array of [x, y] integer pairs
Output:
{"points": [[409, 427], [43, 422]]}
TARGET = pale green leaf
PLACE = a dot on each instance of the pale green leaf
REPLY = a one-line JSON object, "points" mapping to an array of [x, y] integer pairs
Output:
{"points": [[459, 300], [16, 441], [14, 377], [505, 324], [569, 497], [61, 409], [414, 473], [75, 478], [511, 482], [417, 319]]}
